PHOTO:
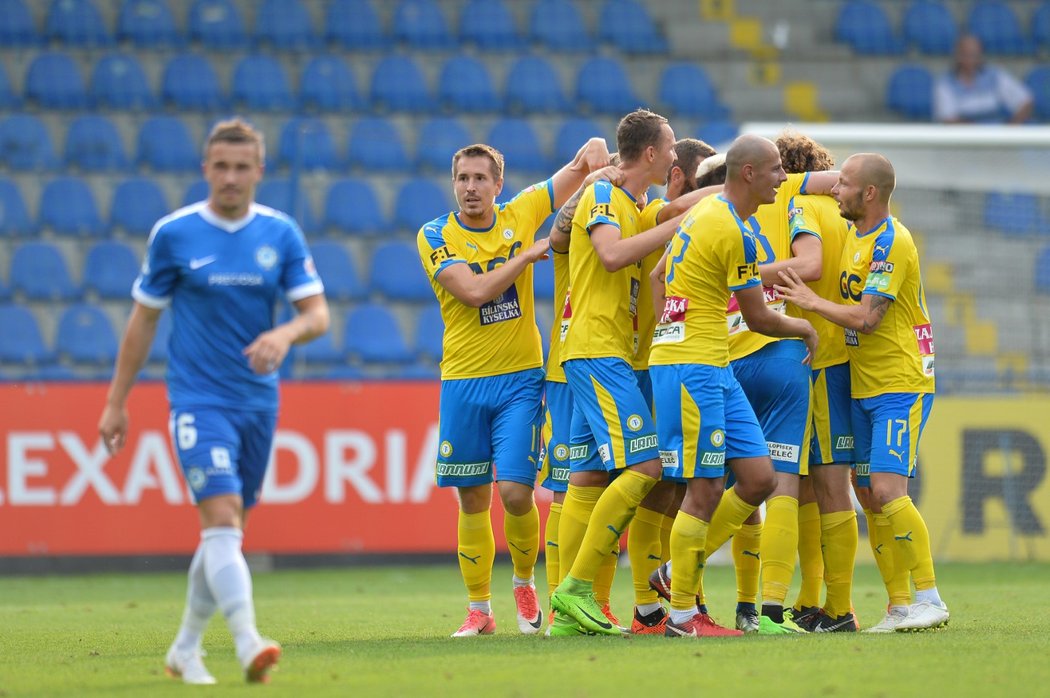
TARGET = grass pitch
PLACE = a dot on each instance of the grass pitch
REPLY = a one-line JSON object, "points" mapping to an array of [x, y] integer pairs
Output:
{"points": [[383, 631]]}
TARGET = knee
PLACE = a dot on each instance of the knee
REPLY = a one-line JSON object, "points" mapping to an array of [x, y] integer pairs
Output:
{"points": [[517, 500]]}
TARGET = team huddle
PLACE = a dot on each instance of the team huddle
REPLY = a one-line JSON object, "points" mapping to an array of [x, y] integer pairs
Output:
{"points": [[747, 339]]}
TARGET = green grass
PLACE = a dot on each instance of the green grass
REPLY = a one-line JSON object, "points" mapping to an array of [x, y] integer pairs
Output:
{"points": [[384, 631]]}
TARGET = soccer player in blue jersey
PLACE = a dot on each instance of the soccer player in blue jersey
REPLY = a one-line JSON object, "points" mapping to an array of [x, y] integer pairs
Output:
{"points": [[221, 266]]}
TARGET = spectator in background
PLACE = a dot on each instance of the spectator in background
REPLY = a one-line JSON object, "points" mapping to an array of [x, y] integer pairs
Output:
{"points": [[973, 92]]}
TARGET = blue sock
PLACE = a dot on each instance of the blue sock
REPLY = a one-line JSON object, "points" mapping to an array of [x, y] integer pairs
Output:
{"points": [[742, 606]]}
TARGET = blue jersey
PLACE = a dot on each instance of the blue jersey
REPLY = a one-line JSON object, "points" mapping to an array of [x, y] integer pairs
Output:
{"points": [[222, 279]]}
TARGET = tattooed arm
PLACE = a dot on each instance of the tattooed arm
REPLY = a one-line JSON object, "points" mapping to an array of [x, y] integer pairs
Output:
{"points": [[864, 317], [563, 221]]}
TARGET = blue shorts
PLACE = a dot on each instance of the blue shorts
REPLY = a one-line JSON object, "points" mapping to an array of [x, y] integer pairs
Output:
{"points": [[495, 419], [886, 432], [612, 424], [223, 451], [777, 385], [703, 420], [645, 384], [554, 461], [832, 440]]}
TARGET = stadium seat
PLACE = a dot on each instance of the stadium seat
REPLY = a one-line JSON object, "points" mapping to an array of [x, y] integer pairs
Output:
{"points": [[196, 192], [373, 335], [465, 85], [16, 24], [602, 85], [626, 24], [25, 144], [118, 82], [429, 330], [1038, 81], [520, 145], [158, 351], [571, 136], [534, 85], [323, 351], [1013, 214], [718, 133], [439, 139], [418, 201], [276, 192], [53, 81], [1042, 272], [865, 26], [909, 92], [76, 23], [67, 206], [14, 217], [85, 335], [138, 203], [306, 143], [165, 145], [421, 25], [21, 341], [93, 145], [1041, 27], [260, 84], [284, 25], [399, 85], [396, 273], [351, 206], [557, 25], [354, 25], [337, 270], [8, 99], [217, 24], [929, 26], [687, 90], [147, 24], [190, 83], [110, 269], [489, 25], [998, 28], [543, 279], [328, 85], [375, 144], [39, 273]]}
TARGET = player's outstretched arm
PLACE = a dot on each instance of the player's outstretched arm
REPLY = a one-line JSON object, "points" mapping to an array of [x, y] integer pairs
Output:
{"points": [[686, 201], [268, 350], [563, 221], [616, 253], [822, 182], [476, 290], [134, 349], [864, 317], [807, 260], [593, 155], [764, 320]]}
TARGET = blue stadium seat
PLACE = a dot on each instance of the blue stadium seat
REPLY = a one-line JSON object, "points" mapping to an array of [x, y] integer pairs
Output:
{"points": [[429, 330], [865, 26], [8, 98], [16, 24], [398, 84], [1013, 214], [489, 25], [25, 144], [571, 136], [603, 86], [520, 145], [396, 273], [39, 272], [351, 206], [687, 90], [284, 25], [1042, 272], [465, 85], [718, 133], [372, 334], [558, 25], [196, 192], [217, 24], [998, 28], [375, 144], [118, 82], [418, 202], [147, 24], [260, 84], [94, 145], [420, 24], [138, 203], [276, 192], [67, 206], [439, 139], [543, 279], [354, 24], [322, 351], [190, 82], [21, 341], [909, 92], [1038, 81], [337, 270], [415, 372], [14, 216], [110, 268], [1041, 27], [85, 336], [53, 81], [307, 144], [627, 25], [5, 294], [327, 84], [158, 351], [534, 85], [165, 145], [930, 26], [76, 23]]}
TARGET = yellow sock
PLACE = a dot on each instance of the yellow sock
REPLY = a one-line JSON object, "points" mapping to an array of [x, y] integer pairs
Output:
{"points": [[665, 537], [688, 540], [643, 548], [575, 515], [611, 516], [779, 547], [551, 548], [913, 541], [839, 532], [810, 558], [476, 548], [895, 574], [523, 540], [746, 557], [730, 513], [603, 580]]}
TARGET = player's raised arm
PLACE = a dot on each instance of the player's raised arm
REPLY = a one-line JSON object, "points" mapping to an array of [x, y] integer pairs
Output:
{"points": [[593, 155], [616, 252]]}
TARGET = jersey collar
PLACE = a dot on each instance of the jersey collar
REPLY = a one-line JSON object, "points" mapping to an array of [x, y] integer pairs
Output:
{"points": [[475, 230], [224, 223], [886, 222]]}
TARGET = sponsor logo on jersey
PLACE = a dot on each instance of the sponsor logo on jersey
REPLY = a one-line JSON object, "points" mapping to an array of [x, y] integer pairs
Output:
{"points": [[641, 443], [235, 279], [843, 443], [508, 234], [634, 422], [784, 452], [863, 469], [266, 257], [196, 478], [851, 337], [445, 449], [713, 458], [579, 452], [463, 469], [881, 267], [500, 309], [560, 474], [669, 459], [718, 437], [561, 452], [196, 263], [605, 453]]}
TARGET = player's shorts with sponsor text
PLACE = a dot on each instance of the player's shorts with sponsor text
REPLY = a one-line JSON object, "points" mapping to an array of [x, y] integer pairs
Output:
{"points": [[832, 440], [886, 432], [554, 462]]}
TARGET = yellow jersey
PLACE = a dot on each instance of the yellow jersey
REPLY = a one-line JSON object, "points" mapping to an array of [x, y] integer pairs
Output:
{"points": [[561, 290], [646, 315]]}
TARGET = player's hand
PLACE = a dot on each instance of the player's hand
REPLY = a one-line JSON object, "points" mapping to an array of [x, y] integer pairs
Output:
{"points": [[594, 155], [113, 428], [811, 339], [538, 250], [610, 173], [268, 350], [794, 290]]}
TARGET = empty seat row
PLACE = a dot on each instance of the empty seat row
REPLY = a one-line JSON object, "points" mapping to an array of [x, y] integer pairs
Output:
{"points": [[909, 91]]}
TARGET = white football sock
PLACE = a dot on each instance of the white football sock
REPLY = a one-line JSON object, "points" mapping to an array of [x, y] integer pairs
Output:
{"points": [[200, 605], [483, 606], [231, 584]]}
